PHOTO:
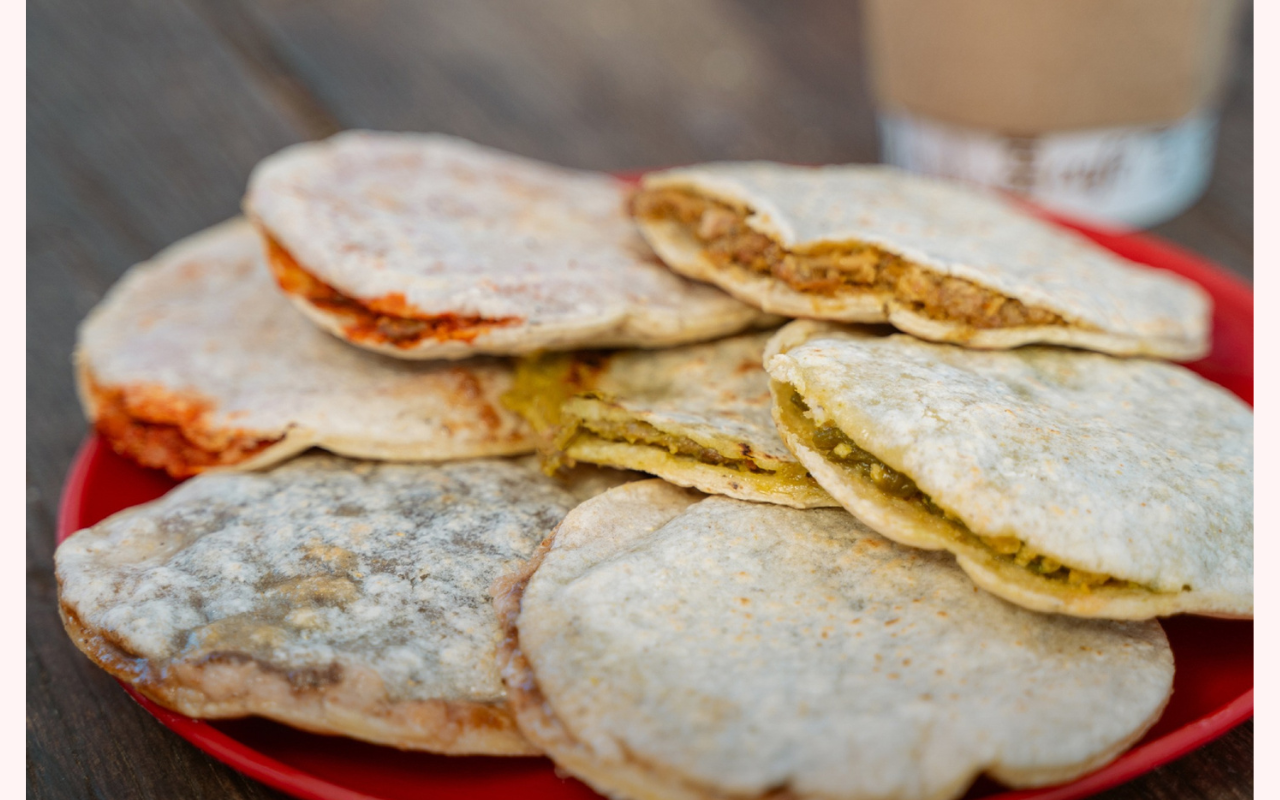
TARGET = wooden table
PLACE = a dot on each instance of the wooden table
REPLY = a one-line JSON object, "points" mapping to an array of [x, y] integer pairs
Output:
{"points": [[145, 117]]}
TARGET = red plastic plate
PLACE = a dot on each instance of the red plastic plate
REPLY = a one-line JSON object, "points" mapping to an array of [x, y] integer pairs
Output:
{"points": [[1213, 687]]}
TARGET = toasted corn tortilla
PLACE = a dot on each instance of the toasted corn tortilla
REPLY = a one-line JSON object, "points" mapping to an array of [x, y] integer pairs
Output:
{"points": [[336, 596], [1134, 474], [965, 239], [194, 361], [667, 646], [429, 246], [697, 415]]}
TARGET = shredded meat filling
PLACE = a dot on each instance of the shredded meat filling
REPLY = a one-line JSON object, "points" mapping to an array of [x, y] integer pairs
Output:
{"points": [[387, 320], [729, 241], [155, 433]]}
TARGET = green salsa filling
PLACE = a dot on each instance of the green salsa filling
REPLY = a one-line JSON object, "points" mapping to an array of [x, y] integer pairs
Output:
{"points": [[639, 432], [546, 386], [836, 446]]}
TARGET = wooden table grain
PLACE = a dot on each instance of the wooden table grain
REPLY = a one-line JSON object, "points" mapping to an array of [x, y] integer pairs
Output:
{"points": [[144, 118]]}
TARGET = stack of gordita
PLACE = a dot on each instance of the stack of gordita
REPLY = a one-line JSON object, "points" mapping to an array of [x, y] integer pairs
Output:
{"points": [[750, 480]]}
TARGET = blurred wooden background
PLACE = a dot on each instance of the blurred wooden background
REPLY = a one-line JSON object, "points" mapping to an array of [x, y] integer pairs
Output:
{"points": [[144, 118]]}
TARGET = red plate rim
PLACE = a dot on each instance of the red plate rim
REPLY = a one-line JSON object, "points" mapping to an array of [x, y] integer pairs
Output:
{"points": [[1134, 762]]}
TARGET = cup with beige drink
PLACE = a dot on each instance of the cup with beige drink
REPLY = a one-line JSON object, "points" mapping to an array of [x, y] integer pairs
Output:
{"points": [[1104, 109]]}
